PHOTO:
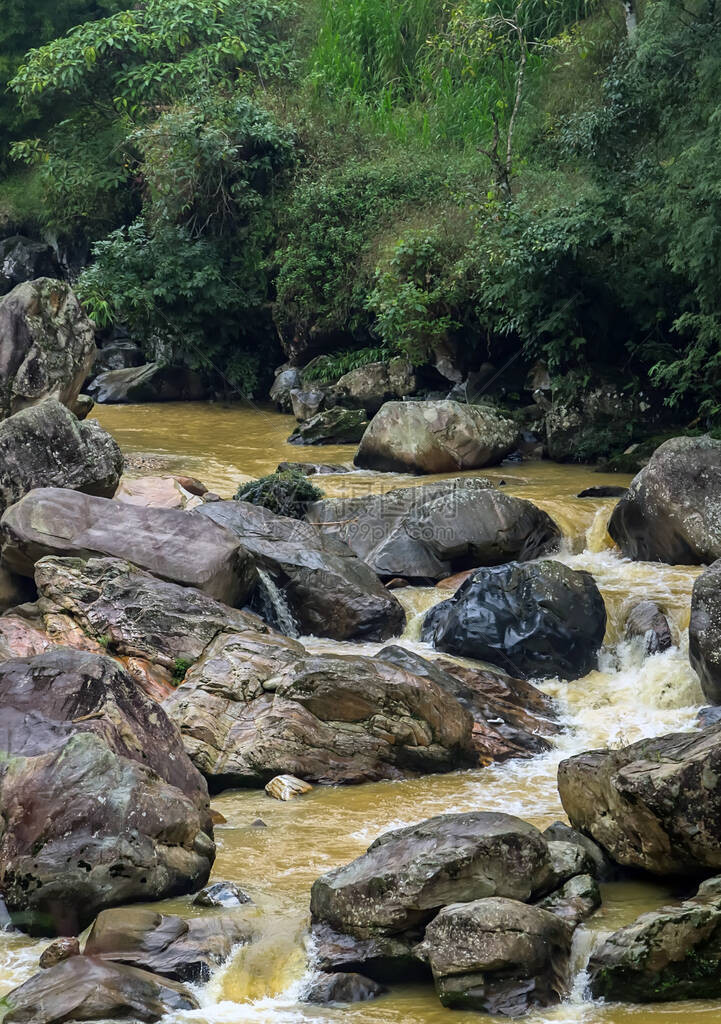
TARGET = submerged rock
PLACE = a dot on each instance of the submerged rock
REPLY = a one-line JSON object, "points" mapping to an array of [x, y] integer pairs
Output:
{"points": [[704, 631], [435, 437], [47, 446], [540, 619], [100, 803], [181, 548], [151, 382], [324, 989], [85, 989], [328, 591], [666, 955], [332, 426], [255, 706], [497, 956], [628, 801], [671, 511], [47, 345], [183, 950]]}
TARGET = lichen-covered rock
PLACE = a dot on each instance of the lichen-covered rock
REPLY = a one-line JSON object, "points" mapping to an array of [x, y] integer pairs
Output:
{"points": [[655, 804], [47, 345], [369, 387], [435, 437], [497, 956], [255, 706], [85, 989], [165, 944], [25, 259], [672, 511], [47, 446], [181, 548], [437, 529], [327, 589], [666, 955], [100, 804], [331, 426], [538, 619], [704, 631]]}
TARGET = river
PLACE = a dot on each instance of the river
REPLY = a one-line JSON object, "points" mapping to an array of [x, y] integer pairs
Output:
{"points": [[628, 698]]}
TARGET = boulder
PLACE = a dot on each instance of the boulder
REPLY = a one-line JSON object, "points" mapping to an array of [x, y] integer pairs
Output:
{"points": [[100, 804], [327, 590], [670, 513], [383, 531], [132, 613], [46, 446], [332, 426], [497, 956], [160, 492], [407, 875], [183, 950], [181, 548], [287, 787], [47, 345], [118, 354], [602, 867], [85, 989], [575, 901], [256, 706], [59, 950], [629, 802], [311, 468], [536, 619], [25, 259], [666, 955], [348, 987], [435, 437], [221, 894], [151, 382], [307, 402], [522, 716], [369, 387], [704, 631], [583, 428], [285, 382], [646, 622]]}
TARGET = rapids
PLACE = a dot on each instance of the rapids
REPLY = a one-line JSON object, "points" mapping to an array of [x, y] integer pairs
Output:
{"points": [[628, 698]]}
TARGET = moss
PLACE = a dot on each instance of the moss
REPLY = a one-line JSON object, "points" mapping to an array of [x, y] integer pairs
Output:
{"points": [[180, 667]]}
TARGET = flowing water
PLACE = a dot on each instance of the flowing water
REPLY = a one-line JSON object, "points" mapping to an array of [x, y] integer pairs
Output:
{"points": [[628, 698]]}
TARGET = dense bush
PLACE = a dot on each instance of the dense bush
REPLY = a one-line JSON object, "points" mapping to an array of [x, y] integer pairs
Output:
{"points": [[287, 493]]}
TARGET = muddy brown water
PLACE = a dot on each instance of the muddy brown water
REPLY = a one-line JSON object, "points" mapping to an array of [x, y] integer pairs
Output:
{"points": [[628, 698]]}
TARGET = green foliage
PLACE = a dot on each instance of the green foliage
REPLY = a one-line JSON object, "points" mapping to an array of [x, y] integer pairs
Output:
{"points": [[287, 493], [180, 668], [328, 368]]}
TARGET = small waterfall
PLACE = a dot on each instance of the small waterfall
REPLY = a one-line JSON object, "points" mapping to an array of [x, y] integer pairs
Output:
{"points": [[273, 606], [583, 945]]}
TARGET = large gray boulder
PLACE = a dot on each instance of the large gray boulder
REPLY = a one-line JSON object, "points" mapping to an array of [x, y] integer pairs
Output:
{"points": [[46, 446], [151, 382], [369, 387], [666, 955], [85, 989], [497, 956], [186, 549], [165, 944], [704, 631], [407, 875], [100, 804], [536, 619], [47, 345], [435, 437], [655, 804], [433, 530], [257, 705], [671, 511], [327, 589]]}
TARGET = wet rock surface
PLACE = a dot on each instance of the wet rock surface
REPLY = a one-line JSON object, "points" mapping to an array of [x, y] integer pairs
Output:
{"points": [[327, 589], [150, 382], [47, 446], [348, 987], [628, 801], [646, 622], [75, 729], [181, 548], [435, 437], [25, 259], [256, 706], [541, 619], [47, 345], [331, 426], [671, 511], [704, 632]]}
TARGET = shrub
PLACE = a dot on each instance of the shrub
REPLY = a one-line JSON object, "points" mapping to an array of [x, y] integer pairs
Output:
{"points": [[287, 493]]}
